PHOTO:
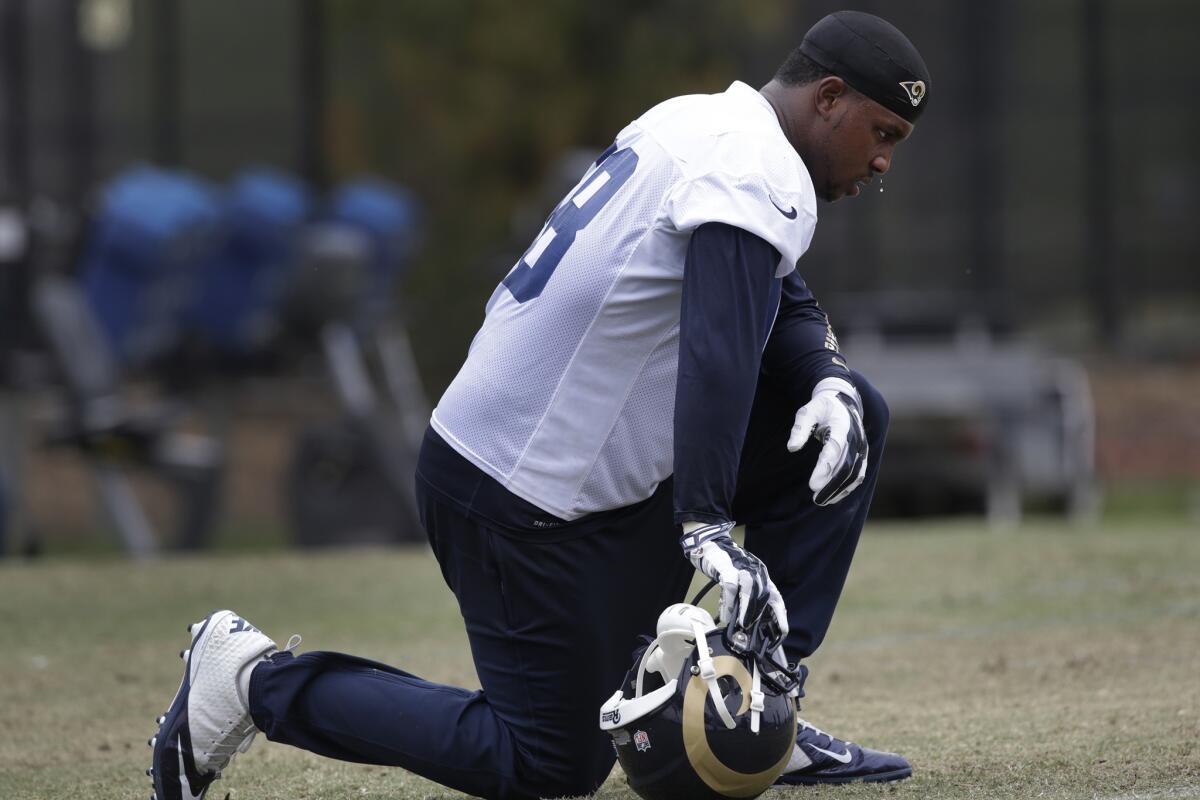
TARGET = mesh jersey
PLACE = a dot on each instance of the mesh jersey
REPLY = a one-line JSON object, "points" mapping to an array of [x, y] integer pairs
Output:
{"points": [[567, 394]]}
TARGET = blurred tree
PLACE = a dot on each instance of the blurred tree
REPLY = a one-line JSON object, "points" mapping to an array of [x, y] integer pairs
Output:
{"points": [[470, 103]]}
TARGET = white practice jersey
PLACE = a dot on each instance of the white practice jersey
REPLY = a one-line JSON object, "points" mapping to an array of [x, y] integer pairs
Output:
{"points": [[567, 394]]}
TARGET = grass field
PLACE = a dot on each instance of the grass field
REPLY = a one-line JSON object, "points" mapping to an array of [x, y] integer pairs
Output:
{"points": [[1048, 662]]}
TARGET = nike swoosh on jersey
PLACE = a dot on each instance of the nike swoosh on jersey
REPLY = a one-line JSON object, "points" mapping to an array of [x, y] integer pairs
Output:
{"points": [[843, 758], [790, 214]]}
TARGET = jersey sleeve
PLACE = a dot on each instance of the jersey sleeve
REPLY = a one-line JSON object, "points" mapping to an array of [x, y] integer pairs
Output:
{"points": [[749, 202], [730, 297]]}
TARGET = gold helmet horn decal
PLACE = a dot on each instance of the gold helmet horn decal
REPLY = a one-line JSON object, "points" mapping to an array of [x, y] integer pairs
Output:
{"points": [[711, 770]]}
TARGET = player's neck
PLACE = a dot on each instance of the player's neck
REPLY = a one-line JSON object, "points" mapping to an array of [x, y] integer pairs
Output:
{"points": [[786, 100]]}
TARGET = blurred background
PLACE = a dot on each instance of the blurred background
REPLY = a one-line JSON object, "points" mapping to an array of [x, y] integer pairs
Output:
{"points": [[244, 247]]}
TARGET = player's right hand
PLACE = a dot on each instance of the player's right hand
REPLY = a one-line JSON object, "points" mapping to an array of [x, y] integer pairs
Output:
{"points": [[746, 589]]}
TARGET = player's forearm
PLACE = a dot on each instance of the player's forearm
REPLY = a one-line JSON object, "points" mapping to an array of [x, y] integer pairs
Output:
{"points": [[802, 349], [729, 300]]}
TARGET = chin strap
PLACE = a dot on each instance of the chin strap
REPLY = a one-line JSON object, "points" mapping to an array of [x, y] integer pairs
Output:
{"points": [[653, 658], [707, 671], [651, 650], [708, 674], [757, 699]]}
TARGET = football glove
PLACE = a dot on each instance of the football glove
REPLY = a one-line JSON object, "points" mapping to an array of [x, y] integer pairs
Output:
{"points": [[834, 417], [746, 588]]}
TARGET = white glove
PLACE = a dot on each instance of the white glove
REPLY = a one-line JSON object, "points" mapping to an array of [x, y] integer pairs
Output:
{"points": [[746, 588], [833, 416]]}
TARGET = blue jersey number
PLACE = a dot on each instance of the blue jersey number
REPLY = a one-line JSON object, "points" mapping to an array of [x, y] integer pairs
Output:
{"points": [[529, 277]]}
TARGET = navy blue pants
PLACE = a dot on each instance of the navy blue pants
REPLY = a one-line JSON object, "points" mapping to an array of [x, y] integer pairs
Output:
{"points": [[553, 624]]}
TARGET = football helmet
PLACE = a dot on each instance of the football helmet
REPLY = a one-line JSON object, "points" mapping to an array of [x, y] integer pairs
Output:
{"points": [[707, 721]]}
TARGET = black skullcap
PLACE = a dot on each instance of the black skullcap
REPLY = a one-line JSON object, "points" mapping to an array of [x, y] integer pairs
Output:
{"points": [[874, 57]]}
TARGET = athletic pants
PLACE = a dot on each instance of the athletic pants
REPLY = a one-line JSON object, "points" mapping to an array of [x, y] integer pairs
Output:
{"points": [[553, 626]]}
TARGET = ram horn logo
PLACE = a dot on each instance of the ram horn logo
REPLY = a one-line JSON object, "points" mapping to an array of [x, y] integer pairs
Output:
{"points": [[915, 91], [716, 775]]}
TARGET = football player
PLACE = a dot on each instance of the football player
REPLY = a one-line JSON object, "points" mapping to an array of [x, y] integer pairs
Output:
{"points": [[653, 374]]}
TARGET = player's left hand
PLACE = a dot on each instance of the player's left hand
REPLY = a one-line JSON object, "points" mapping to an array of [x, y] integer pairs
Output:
{"points": [[834, 417]]}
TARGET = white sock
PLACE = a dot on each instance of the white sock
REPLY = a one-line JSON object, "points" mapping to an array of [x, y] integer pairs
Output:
{"points": [[799, 760], [243, 681]]}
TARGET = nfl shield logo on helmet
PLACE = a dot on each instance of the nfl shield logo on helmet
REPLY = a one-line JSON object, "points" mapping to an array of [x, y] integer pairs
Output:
{"points": [[642, 740]]}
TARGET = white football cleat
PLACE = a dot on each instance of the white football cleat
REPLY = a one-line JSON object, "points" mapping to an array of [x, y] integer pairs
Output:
{"points": [[208, 722]]}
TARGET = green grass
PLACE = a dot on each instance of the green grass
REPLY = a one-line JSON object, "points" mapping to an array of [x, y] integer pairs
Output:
{"points": [[1049, 662]]}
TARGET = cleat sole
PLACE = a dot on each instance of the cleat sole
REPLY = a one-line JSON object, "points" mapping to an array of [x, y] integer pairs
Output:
{"points": [[195, 630]]}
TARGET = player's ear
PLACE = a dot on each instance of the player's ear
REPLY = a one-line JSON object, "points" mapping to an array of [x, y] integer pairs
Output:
{"points": [[829, 92]]}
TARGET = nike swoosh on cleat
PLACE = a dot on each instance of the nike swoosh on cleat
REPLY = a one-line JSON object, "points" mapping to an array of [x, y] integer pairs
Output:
{"points": [[843, 758], [184, 784], [790, 213]]}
